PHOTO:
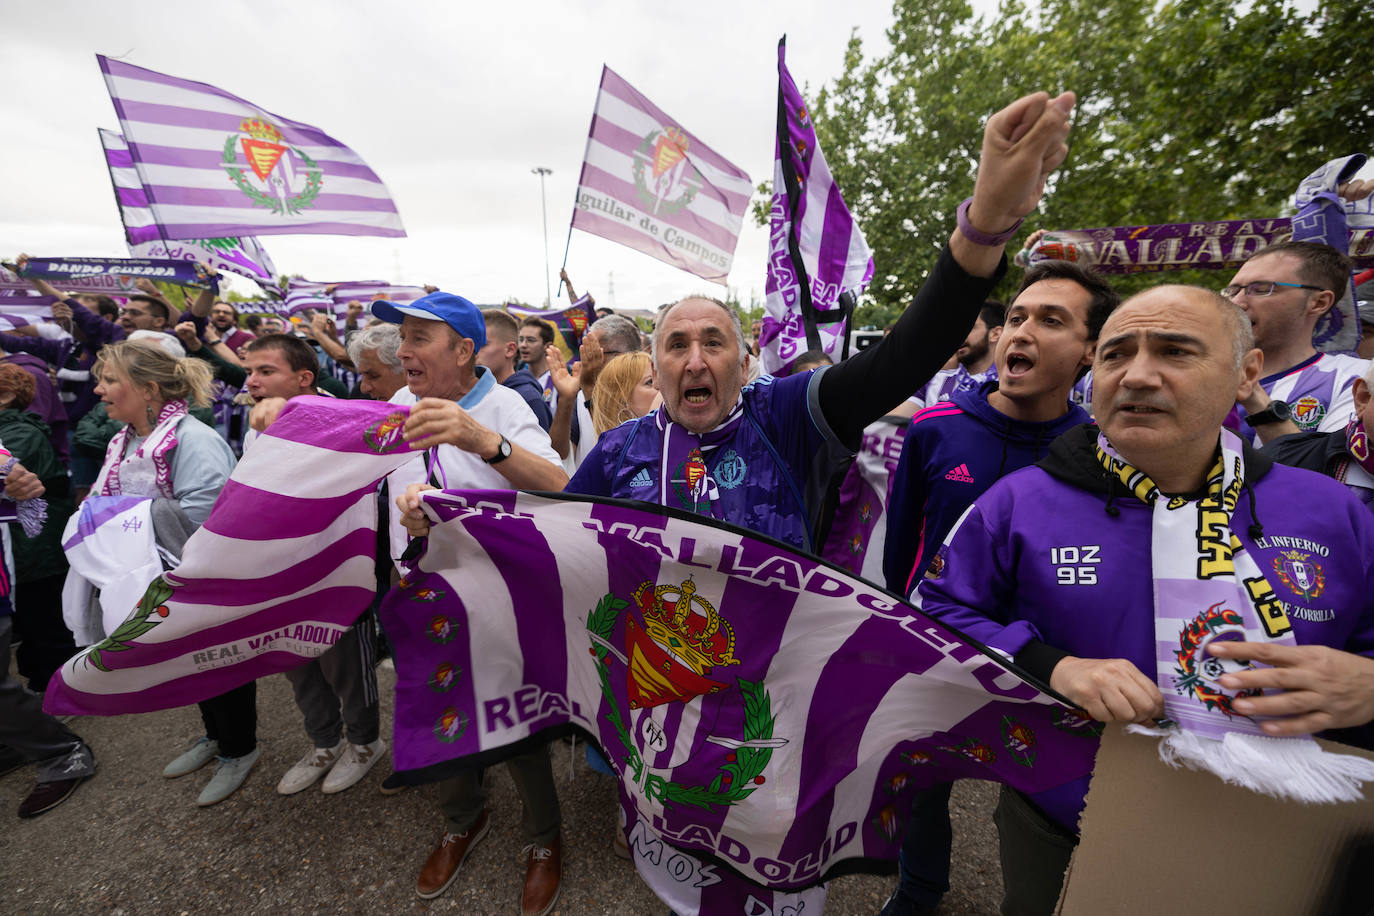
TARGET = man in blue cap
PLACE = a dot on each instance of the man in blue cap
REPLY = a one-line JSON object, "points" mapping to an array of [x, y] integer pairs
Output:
{"points": [[476, 434]]}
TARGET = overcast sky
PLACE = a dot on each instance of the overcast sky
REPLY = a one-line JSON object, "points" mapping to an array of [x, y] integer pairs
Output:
{"points": [[452, 104]]}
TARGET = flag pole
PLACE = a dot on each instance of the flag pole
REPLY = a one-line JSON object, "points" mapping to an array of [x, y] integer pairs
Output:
{"points": [[580, 175]]}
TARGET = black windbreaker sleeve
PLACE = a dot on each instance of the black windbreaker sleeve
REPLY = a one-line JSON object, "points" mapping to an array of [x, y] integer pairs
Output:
{"points": [[869, 384]]}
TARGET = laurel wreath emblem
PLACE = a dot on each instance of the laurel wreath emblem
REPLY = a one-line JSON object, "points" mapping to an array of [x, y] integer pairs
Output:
{"points": [[742, 772], [152, 603], [314, 179]]}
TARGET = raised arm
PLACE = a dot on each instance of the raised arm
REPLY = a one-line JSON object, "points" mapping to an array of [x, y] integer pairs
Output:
{"points": [[1022, 144]]}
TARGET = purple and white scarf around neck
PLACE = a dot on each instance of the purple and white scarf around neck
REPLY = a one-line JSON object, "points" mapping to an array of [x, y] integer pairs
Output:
{"points": [[683, 477], [1207, 587], [147, 471]]}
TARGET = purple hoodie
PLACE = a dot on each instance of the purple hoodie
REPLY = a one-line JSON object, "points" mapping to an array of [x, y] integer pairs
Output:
{"points": [[1050, 562]]}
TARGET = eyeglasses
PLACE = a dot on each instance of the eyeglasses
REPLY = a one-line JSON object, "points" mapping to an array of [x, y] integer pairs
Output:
{"points": [[1260, 288]]}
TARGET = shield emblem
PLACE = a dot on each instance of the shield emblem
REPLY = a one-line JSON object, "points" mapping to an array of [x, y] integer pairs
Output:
{"points": [[1301, 573]]}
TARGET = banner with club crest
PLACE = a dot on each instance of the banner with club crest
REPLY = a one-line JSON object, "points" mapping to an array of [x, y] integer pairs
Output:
{"points": [[213, 165], [243, 256], [651, 185], [761, 707], [764, 710]]}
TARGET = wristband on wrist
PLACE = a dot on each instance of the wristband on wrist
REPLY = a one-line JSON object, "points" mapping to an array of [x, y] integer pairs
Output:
{"points": [[977, 236]]}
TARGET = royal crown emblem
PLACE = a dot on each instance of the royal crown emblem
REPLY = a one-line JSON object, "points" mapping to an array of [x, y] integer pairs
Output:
{"points": [[678, 640], [674, 638], [272, 173]]}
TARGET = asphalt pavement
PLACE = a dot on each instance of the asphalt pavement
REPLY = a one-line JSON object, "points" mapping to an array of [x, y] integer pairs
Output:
{"points": [[131, 842]]}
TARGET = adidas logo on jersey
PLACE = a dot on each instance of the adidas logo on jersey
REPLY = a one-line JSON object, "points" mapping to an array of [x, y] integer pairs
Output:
{"points": [[961, 474], [642, 479]]}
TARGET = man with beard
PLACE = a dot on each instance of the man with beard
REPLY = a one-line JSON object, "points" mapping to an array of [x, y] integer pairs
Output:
{"points": [[225, 318], [973, 360]]}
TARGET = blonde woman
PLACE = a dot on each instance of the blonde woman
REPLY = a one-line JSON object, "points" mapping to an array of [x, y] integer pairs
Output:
{"points": [[624, 391], [181, 464]]}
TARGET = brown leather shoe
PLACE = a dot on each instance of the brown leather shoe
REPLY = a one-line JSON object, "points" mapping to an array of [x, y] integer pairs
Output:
{"points": [[443, 863], [543, 877]]}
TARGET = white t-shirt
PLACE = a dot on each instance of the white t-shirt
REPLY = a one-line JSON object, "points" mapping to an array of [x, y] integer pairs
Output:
{"points": [[585, 436], [496, 407]]}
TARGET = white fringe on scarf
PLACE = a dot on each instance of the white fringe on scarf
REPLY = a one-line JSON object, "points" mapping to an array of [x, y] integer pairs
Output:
{"points": [[1286, 768]]}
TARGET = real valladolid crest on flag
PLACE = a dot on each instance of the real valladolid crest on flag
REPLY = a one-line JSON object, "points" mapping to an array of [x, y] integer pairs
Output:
{"points": [[573, 320], [650, 184], [213, 165], [245, 256], [761, 708], [818, 260]]}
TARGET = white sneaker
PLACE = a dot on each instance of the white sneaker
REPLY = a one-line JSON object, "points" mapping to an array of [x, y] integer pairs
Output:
{"points": [[357, 759], [308, 770]]}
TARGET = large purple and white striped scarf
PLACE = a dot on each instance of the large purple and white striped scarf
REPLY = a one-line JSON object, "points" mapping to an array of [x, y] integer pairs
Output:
{"points": [[1207, 588]]}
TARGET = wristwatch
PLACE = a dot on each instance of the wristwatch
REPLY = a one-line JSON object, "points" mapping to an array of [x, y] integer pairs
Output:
{"points": [[502, 452], [1276, 412]]}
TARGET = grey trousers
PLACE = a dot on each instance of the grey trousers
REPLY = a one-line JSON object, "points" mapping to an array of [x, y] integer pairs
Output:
{"points": [[462, 797], [1035, 854], [340, 688], [26, 728]]}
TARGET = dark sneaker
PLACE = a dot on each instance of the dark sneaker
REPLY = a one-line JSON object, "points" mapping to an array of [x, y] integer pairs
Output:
{"points": [[48, 795]]}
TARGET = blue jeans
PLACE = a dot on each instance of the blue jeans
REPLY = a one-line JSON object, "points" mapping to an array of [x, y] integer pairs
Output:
{"points": [[923, 865]]}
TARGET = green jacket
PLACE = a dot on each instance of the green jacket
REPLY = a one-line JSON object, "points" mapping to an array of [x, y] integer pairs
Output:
{"points": [[26, 437]]}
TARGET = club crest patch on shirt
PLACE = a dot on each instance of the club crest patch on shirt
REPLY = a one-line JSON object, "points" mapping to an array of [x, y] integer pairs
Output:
{"points": [[1308, 412], [936, 569], [1300, 573], [730, 470]]}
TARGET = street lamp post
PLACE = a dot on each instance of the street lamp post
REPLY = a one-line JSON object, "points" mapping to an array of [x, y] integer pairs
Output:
{"points": [[544, 205]]}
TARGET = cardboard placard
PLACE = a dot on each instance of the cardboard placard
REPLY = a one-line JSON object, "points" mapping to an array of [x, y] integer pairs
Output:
{"points": [[1161, 840]]}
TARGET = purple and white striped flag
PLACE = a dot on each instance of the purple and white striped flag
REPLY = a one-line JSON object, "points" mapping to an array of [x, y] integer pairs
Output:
{"points": [[213, 165], [817, 253], [245, 256], [760, 706], [283, 565], [333, 298], [650, 185]]}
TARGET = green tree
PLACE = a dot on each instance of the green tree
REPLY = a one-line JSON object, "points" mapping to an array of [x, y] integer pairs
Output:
{"points": [[1206, 109]]}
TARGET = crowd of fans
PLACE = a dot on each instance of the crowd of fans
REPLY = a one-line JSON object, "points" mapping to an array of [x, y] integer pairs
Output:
{"points": [[145, 399]]}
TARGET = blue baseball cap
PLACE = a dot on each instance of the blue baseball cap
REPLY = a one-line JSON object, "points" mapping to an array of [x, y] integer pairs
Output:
{"points": [[455, 311]]}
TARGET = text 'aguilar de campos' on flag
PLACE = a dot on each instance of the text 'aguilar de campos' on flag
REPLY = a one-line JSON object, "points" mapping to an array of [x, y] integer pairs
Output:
{"points": [[245, 256], [214, 165], [816, 252], [650, 184]]}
